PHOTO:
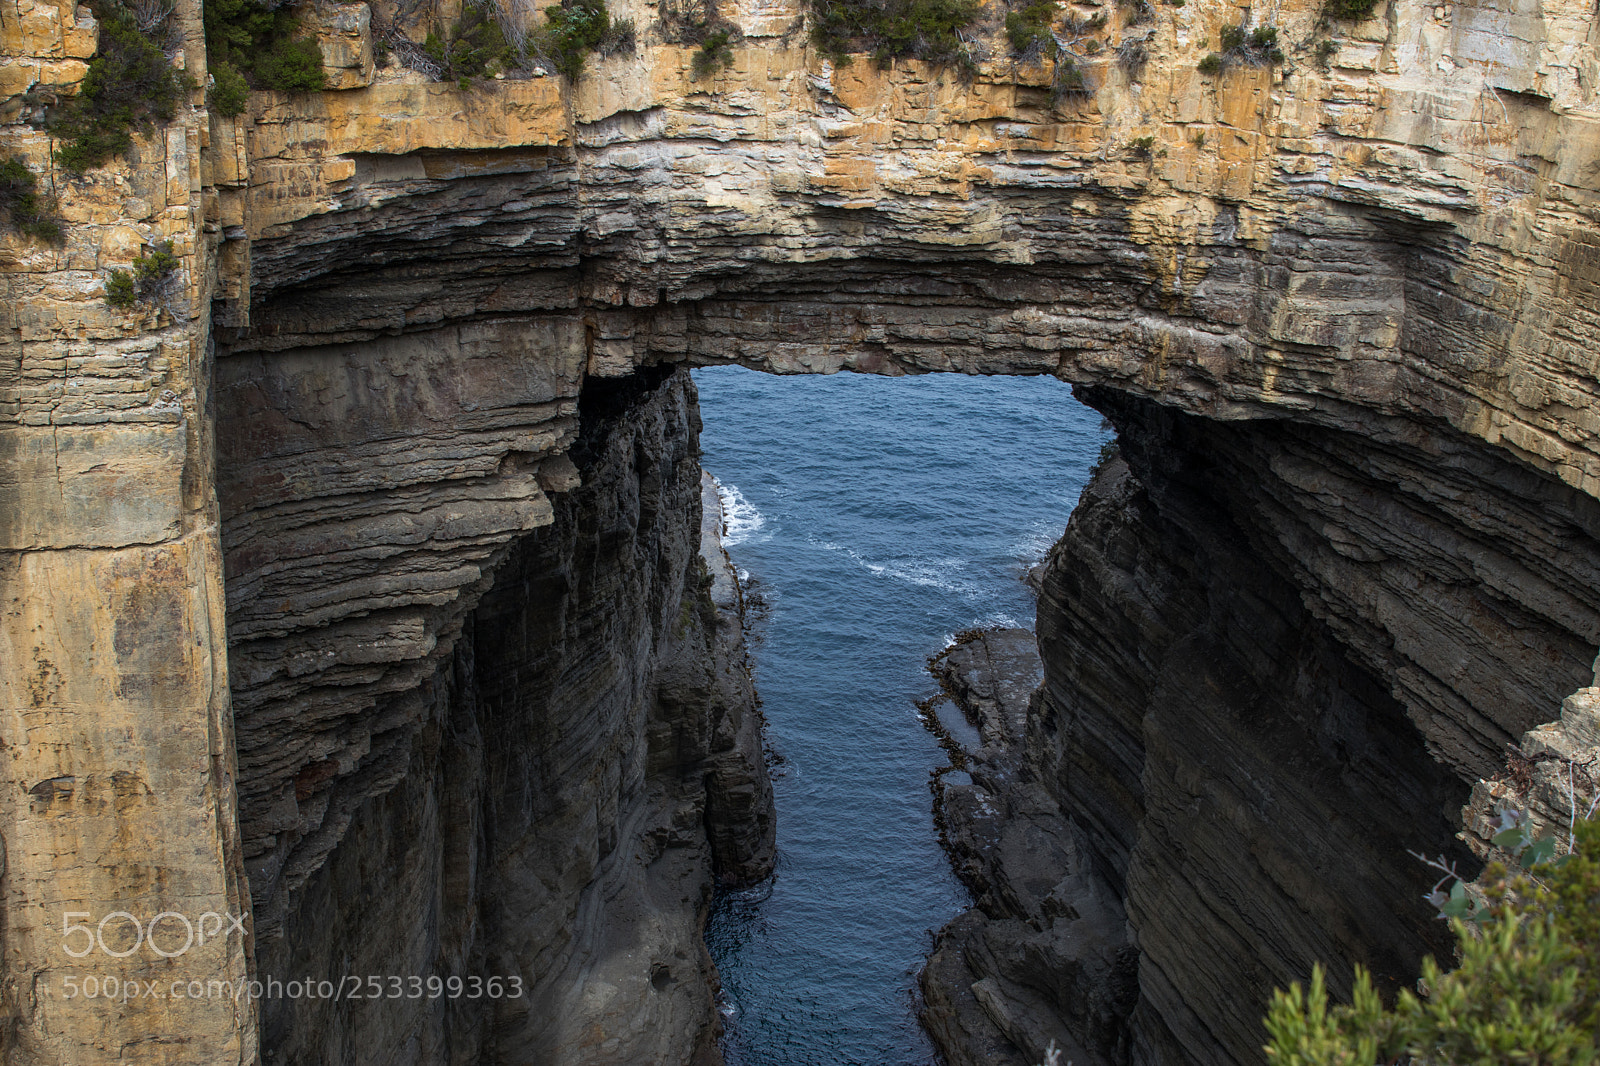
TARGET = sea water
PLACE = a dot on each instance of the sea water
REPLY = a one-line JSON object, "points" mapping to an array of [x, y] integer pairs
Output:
{"points": [[873, 518]]}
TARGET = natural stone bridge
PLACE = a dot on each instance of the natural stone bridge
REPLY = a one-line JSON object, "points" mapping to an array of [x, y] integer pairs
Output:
{"points": [[306, 611]]}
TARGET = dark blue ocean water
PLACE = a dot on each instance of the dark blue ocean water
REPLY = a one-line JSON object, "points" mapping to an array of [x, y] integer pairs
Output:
{"points": [[876, 516]]}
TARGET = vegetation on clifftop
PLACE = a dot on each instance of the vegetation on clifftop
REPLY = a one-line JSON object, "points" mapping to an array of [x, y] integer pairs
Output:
{"points": [[576, 29], [490, 40], [476, 47], [248, 43], [131, 85], [894, 29], [1527, 989]]}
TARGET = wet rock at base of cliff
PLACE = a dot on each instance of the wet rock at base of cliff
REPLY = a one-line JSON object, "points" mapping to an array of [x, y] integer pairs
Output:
{"points": [[740, 816], [1042, 958]]}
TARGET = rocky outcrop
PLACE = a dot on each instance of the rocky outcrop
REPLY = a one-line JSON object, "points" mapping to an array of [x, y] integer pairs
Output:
{"points": [[1273, 658], [1042, 958]]}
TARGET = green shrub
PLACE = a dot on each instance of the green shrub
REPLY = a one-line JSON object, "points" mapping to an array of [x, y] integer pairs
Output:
{"points": [[130, 86], [714, 54], [120, 292], [1325, 52], [1527, 989], [229, 90], [894, 29], [147, 281], [698, 22], [577, 28], [22, 207], [263, 44], [1239, 44], [1349, 10], [152, 269], [292, 65], [1141, 146], [1028, 30]]}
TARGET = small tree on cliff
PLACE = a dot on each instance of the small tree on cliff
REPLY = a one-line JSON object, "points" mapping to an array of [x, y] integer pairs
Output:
{"points": [[1527, 990]]}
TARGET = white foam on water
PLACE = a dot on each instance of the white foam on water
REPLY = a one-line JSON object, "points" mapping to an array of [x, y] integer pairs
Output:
{"points": [[933, 574], [740, 519], [1036, 543]]}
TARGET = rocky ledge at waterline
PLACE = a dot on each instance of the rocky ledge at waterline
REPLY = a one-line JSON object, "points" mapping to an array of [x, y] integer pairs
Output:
{"points": [[300, 566]]}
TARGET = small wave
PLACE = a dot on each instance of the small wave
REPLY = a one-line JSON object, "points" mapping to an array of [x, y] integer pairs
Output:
{"points": [[1036, 543], [740, 519], [992, 620], [935, 574]]}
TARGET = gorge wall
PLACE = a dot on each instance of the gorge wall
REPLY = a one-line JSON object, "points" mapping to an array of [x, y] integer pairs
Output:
{"points": [[551, 805], [1274, 657], [313, 574]]}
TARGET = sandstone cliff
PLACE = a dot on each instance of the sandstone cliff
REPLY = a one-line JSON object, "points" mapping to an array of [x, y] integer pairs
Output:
{"points": [[1341, 314]]}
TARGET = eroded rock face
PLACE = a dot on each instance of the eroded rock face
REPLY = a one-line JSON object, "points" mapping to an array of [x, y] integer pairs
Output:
{"points": [[552, 803], [1274, 657], [1375, 278]]}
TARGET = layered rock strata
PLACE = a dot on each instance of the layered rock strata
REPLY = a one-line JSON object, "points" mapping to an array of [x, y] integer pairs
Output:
{"points": [[553, 803], [1274, 657], [1373, 275], [119, 802]]}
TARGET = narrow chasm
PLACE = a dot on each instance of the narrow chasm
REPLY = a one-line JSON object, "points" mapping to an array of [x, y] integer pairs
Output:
{"points": [[873, 518], [496, 718], [1268, 661]]}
